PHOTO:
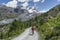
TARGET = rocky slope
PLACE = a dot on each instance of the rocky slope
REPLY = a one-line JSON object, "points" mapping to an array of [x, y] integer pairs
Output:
{"points": [[7, 12]]}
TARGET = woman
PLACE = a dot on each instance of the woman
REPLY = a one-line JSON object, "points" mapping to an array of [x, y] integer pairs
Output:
{"points": [[33, 28]]}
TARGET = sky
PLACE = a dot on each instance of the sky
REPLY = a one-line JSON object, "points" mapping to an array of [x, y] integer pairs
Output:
{"points": [[42, 5]]}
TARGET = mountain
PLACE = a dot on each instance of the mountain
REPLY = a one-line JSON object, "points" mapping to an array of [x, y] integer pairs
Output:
{"points": [[51, 13], [25, 14], [45, 15], [18, 12], [8, 12], [54, 11]]}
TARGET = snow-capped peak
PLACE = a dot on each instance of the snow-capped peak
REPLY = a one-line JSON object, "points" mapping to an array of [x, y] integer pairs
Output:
{"points": [[31, 10]]}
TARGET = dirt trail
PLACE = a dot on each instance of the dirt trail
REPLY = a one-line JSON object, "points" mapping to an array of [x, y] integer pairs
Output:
{"points": [[26, 35]]}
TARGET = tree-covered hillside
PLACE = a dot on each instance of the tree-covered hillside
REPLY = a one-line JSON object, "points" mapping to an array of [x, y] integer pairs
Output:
{"points": [[51, 29]]}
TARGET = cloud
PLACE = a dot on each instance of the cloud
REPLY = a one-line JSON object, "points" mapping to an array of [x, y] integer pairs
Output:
{"points": [[30, 0], [3, 3], [43, 11], [36, 0], [25, 4], [58, 0], [23, 0], [39, 0], [43, 1], [12, 4]]}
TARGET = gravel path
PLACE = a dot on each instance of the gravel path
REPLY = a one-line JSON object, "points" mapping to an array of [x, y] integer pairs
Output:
{"points": [[26, 35]]}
